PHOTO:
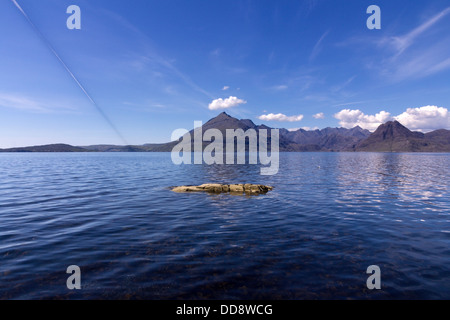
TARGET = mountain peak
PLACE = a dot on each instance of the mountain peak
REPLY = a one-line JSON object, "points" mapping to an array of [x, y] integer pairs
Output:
{"points": [[393, 129], [224, 121], [358, 128], [223, 115], [394, 123], [392, 136]]}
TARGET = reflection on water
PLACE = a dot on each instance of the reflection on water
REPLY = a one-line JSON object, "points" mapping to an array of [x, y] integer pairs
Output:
{"points": [[330, 216]]}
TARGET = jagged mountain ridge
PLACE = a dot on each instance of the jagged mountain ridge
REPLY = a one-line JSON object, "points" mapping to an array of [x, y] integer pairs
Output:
{"points": [[389, 137], [328, 139]]}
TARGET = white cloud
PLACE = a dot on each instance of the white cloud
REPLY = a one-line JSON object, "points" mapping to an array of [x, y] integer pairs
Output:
{"points": [[225, 88], [225, 103], [319, 115], [352, 118], [280, 117], [425, 119]]}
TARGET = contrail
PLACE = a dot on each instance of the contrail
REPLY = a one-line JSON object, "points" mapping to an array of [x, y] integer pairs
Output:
{"points": [[48, 44]]}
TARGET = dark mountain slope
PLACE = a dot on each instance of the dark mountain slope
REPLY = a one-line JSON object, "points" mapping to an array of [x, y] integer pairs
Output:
{"points": [[47, 148], [394, 137]]}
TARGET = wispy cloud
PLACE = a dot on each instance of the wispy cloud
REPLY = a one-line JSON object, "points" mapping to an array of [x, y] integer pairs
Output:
{"points": [[420, 64], [306, 7], [281, 87], [350, 103], [343, 85], [145, 106], [415, 54], [21, 103], [24, 103], [411, 59], [401, 43], [318, 47], [150, 55], [216, 52], [299, 82]]}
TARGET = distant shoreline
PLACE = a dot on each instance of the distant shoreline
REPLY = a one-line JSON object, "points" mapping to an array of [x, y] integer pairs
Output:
{"points": [[13, 150], [389, 137]]}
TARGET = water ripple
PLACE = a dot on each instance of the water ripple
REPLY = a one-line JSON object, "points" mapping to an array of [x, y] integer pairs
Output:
{"points": [[330, 216]]}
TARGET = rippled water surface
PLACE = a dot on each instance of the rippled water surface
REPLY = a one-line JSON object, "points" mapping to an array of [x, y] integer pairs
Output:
{"points": [[330, 216]]}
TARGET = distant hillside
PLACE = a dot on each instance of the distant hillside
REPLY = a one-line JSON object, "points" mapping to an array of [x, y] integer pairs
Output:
{"points": [[394, 137], [441, 136], [151, 147], [47, 148], [389, 137]]}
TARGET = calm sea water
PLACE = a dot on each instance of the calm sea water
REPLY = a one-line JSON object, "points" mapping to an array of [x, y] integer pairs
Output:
{"points": [[330, 216]]}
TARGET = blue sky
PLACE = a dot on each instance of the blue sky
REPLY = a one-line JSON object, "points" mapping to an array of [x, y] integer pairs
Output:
{"points": [[155, 66]]}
